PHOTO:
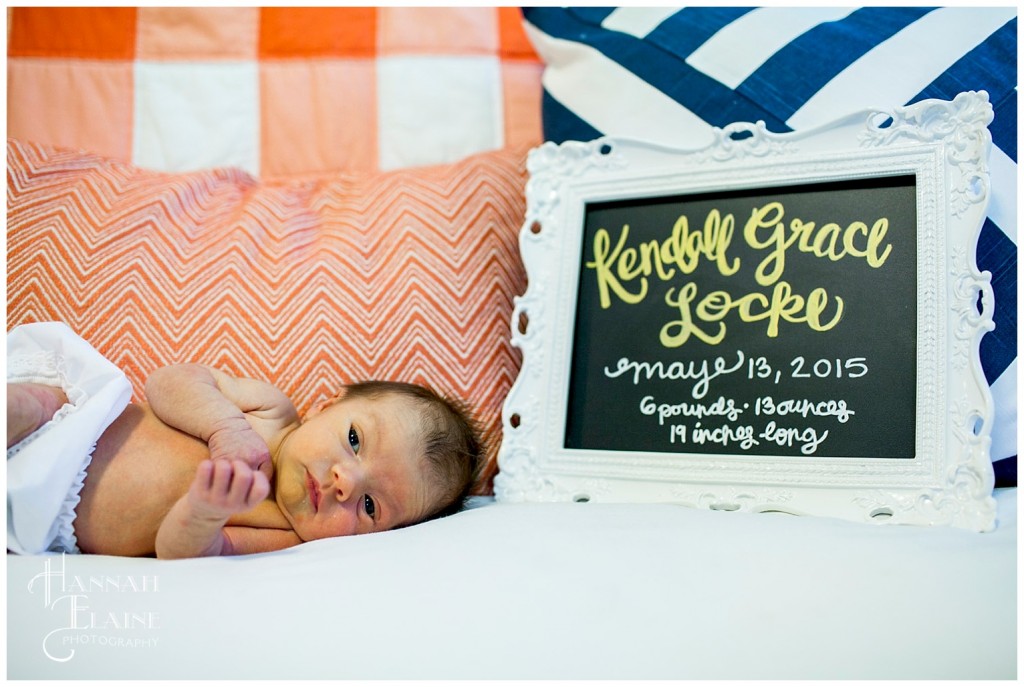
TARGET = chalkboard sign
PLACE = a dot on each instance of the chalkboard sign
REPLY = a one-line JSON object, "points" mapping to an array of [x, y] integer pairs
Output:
{"points": [[779, 321], [766, 322]]}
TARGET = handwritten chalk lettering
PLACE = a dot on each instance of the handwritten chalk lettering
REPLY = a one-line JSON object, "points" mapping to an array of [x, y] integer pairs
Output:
{"points": [[682, 249], [624, 271], [753, 307], [759, 367], [722, 407], [677, 431], [823, 368], [742, 435], [701, 370], [808, 438], [745, 437], [766, 405], [828, 241]]}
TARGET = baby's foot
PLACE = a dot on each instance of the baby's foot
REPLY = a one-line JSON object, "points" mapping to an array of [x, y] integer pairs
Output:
{"points": [[29, 407]]}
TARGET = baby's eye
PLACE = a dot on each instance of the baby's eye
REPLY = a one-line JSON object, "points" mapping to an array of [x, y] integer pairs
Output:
{"points": [[370, 506], [353, 439]]}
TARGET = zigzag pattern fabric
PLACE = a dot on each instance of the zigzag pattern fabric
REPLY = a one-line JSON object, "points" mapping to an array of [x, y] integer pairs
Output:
{"points": [[669, 75], [406, 275]]}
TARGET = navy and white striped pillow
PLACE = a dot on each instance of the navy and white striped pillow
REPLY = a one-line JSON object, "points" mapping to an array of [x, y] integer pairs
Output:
{"points": [[669, 75]]}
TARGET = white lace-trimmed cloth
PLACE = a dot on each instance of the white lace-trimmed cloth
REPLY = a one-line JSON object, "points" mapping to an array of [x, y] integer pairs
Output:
{"points": [[46, 470]]}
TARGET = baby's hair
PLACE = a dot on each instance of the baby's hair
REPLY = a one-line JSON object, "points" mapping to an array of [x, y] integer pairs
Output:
{"points": [[453, 446]]}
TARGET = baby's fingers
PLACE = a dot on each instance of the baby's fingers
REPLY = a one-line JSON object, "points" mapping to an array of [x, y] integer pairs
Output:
{"points": [[246, 487], [260, 489], [207, 493], [203, 481], [229, 486]]}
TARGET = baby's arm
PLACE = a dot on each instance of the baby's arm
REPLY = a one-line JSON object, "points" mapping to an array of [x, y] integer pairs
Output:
{"points": [[212, 406], [195, 524]]}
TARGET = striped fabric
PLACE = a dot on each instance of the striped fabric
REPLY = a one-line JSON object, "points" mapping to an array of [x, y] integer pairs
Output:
{"points": [[669, 75], [405, 275], [276, 91]]}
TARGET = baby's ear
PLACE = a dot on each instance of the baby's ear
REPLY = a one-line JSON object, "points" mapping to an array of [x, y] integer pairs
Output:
{"points": [[323, 405]]}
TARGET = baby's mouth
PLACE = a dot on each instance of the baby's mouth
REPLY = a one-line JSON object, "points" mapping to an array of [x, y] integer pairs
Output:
{"points": [[314, 491]]}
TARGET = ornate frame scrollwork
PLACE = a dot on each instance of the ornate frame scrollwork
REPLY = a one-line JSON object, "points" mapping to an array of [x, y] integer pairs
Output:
{"points": [[948, 482]]}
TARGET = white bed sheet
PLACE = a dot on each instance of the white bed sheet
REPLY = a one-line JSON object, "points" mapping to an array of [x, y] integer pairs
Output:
{"points": [[542, 591]]}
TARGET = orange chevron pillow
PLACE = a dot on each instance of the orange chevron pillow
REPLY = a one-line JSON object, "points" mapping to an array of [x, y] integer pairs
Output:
{"points": [[405, 275]]}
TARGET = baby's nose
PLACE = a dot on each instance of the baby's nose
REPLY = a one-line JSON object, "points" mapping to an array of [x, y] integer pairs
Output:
{"points": [[345, 481]]}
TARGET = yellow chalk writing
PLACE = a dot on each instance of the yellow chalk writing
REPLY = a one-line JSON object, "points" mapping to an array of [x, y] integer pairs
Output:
{"points": [[766, 230], [783, 304], [624, 271]]}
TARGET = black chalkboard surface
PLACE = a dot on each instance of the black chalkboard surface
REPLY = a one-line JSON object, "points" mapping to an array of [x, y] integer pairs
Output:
{"points": [[773, 321]]}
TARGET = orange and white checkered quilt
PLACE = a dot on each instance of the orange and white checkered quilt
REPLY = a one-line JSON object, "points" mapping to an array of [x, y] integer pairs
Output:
{"points": [[275, 91]]}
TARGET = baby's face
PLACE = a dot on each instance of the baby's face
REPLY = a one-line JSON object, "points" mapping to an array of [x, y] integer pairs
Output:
{"points": [[354, 467]]}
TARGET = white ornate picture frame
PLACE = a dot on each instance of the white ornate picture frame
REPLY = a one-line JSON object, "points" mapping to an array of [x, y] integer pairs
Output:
{"points": [[581, 424]]}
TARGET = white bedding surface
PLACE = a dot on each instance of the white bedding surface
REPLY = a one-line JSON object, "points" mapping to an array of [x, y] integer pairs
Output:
{"points": [[542, 591]]}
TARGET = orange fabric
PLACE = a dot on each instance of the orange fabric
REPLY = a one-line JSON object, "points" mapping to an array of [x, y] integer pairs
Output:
{"points": [[522, 101], [514, 43], [99, 33], [201, 33], [445, 30], [304, 107], [318, 32], [276, 91], [408, 275], [73, 104]]}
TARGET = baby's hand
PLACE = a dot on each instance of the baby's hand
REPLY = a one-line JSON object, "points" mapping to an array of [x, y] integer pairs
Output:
{"points": [[239, 441], [222, 488]]}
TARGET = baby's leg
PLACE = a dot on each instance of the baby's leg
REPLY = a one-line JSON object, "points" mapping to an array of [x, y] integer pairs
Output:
{"points": [[29, 407]]}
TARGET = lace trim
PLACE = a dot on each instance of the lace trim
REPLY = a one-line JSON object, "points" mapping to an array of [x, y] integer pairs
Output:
{"points": [[65, 539]]}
